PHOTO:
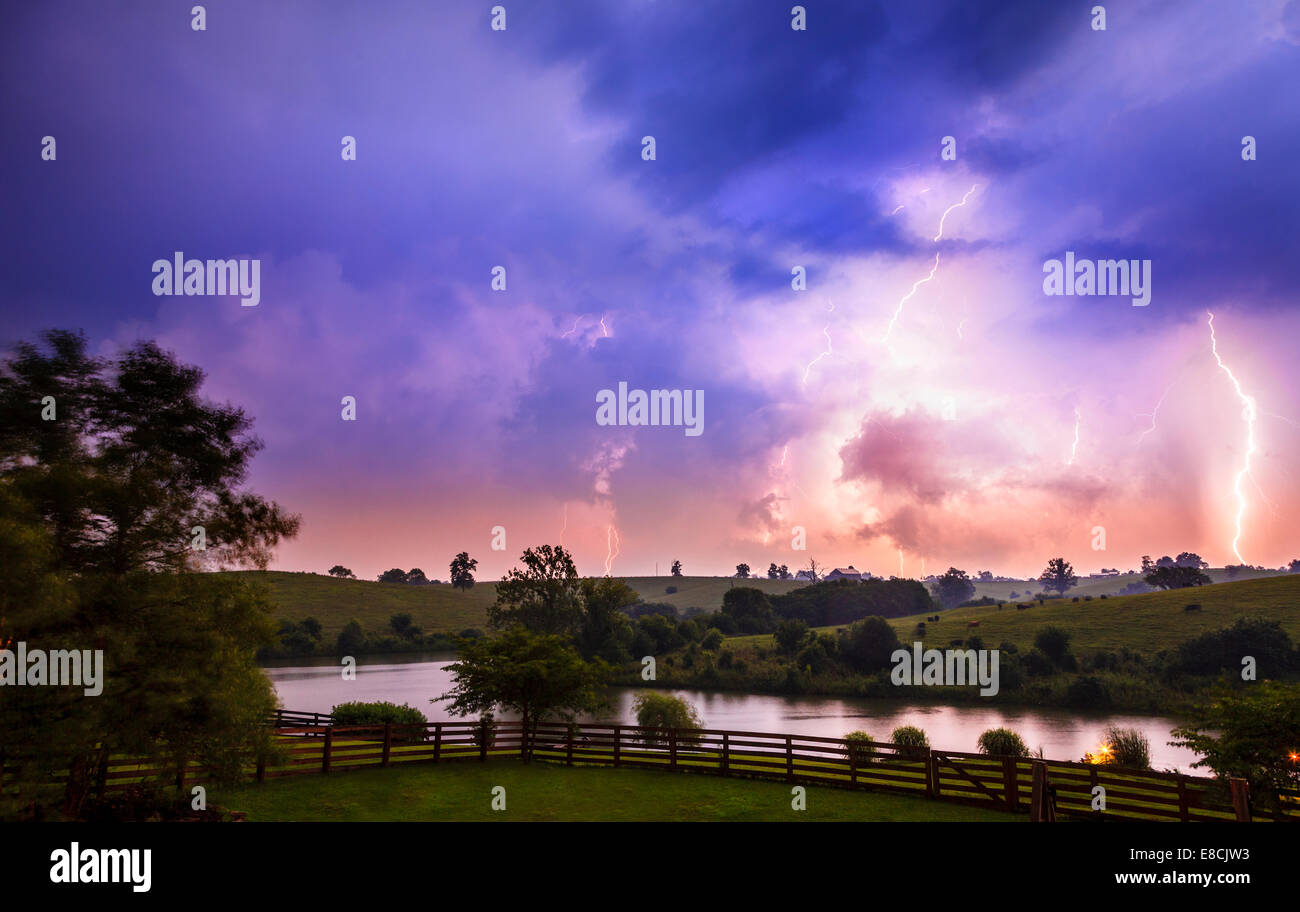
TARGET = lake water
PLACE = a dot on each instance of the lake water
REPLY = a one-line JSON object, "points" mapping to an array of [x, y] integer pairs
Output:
{"points": [[316, 685]]}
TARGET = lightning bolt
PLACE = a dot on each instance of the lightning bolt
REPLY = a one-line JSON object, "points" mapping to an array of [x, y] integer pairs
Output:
{"points": [[952, 207], [565, 527], [898, 311], [900, 562], [603, 327], [1154, 412], [572, 331], [612, 548], [827, 331], [1074, 448], [896, 211], [1249, 413]]}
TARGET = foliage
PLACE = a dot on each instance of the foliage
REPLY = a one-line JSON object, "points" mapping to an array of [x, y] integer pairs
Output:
{"points": [[1175, 577], [861, 748], [1252, 733], [462, 570], [1059, 576], [913, 740], [107, 513], [545, 596], [790, 635], [867, 645], [376, 713], [953, 588], [660, 710], [1002, 742]]}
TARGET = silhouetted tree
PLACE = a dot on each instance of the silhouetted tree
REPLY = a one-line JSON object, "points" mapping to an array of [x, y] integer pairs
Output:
{"points": [[462, 570], [1059, 576]]}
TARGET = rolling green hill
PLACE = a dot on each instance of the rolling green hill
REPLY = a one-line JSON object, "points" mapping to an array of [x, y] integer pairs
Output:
{"points": [[442, 609], [1145, 623]]}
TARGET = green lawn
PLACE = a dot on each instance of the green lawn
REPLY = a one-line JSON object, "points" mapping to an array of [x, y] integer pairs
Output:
{"points": [[462, 791]]}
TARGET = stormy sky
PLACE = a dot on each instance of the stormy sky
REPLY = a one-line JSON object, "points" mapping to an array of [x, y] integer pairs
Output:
{"points": [[921, 403]]}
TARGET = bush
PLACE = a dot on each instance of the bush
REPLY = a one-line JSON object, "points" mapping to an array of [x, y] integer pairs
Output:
{"points": [[376, 714], [1002, 742], [1129, 748], [913, 741], [1087, 693], [712, 639], [868, 644], [790, 635], [485, 733], [1222, 649], [670, 590], [861, 748], [1054, 643], [661, 710]]}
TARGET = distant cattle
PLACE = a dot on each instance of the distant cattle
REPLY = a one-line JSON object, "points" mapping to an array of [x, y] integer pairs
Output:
{"points": [[1021, 607], [1192, 608], [973, 624]]}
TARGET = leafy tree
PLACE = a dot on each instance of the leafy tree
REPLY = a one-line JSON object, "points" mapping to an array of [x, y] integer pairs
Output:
{"points": [[416, 576], [103, 512], [677, 568], [742, 571], [1147, 564], [342, 572], [790, 635], [953, 588], [660, 711], [1054, 642], [1170, 576], [1059, 576], [868, 645], [750, 609], [605, 630], [1253, 734], [396, 575], [773, 572], [1191, 559], [403, 626], [1294, 566], [537, 675], [352, 639], [462, 570], [1219, 650], [783, 572], [545, 596]]}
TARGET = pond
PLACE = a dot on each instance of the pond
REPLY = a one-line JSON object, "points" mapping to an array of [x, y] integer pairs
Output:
{"points": [[316, 685]]}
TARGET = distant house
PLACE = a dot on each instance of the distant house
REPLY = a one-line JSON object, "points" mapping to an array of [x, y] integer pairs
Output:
{"points": [[848, 572]]}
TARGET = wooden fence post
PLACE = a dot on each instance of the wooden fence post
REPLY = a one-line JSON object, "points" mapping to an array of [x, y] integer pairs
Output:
{"points": [[1184, 813], [325, 754], [929, 773], [853, 763], [936, 776], [437, 741], [789, 758], [726, 755], [1240, 789], [388, 741], [1009, 783], [568, 747], [618, 742], [1042, 808], [672, 748], [482, 740], [261, 769]]}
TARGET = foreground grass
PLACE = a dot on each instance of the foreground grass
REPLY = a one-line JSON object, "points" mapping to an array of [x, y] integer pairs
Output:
{"points": [[462, 791]]}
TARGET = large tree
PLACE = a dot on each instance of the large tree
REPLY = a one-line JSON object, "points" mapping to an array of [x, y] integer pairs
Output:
{"points": [[462, 570], [534, 674], [953, 588], [1059, 576], [1171, 576], [545, 595], [118, 481]]}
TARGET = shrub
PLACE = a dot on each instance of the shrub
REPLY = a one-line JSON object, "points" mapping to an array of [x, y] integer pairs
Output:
{"points": [[861, 748], [913, 741], [1129, 748], [1086, 693], [1002, 742], [670, 590], [868, 644], [712, 639], [1054, 643], [661, 710], [376, 714], [485, 733]]}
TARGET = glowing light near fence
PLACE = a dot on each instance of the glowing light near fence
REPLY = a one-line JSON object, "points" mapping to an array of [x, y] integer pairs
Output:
{"points": [[1249, 413]]}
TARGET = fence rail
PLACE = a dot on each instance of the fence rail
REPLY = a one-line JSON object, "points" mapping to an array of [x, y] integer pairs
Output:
{"points": [[311, 743]]}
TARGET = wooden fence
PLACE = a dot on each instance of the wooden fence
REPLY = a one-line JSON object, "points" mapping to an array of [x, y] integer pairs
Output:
{"points": [[310, 743]]}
